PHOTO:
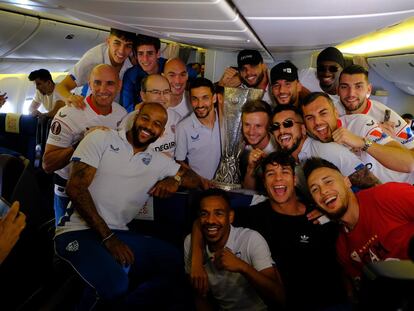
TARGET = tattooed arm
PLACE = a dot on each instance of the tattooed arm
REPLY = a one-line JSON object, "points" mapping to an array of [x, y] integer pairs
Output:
{"points": [[77, 189]]}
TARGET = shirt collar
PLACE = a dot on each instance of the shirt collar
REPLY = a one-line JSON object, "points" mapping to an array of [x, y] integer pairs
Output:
{"points": [[89, 101]]}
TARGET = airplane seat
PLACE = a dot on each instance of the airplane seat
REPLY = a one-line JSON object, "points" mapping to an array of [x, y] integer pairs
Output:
{"points": [[26, 269], [388, 285], [18, 133], [11, 167], [42, 132]]}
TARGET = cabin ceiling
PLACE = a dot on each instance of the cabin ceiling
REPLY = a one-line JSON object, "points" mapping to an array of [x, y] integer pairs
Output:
{"points": [[273, 26]]}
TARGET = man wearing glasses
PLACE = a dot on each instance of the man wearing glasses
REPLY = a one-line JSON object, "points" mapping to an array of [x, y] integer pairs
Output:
{"points": [[290, 133], [156, 89], [330, 63], [148, 56]]}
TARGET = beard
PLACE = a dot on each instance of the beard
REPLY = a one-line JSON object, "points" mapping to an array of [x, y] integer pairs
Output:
{"points": [[260, 78], [135, 136], [337, 215], [361, 102], [294, 146]]}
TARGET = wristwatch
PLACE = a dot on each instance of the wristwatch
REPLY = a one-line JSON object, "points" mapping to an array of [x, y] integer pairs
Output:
{"points": [[178, 179], [367, 143]]}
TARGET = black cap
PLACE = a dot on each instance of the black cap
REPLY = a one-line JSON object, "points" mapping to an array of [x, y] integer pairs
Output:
{"points": [[284, 71], [331, 54], [249, 57]]}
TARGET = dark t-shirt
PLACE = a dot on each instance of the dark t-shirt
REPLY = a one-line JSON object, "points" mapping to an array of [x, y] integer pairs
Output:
{"points": [[304, 254]]}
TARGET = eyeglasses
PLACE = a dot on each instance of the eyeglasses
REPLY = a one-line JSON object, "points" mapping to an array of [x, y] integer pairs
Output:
{"points": [[330, 68], [158, 92], [286, 124]]}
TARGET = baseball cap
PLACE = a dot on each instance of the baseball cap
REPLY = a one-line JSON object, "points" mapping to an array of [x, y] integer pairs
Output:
{"points": [[331, 54], [249, 57], [284, 71]]}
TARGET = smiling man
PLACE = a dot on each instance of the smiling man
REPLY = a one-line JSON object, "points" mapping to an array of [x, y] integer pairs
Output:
{"points": [[148, 56], [176, 73], [256, 116], [155, 88], [290, 133], [237, 260], [115, 52], [198, 135], [377, 222], [389, 160], [251, 72], [70, 125], [113, 175], [285, 84]]}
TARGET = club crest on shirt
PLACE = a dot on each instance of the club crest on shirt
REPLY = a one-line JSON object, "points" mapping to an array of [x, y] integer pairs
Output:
{"points": [[56, 128], [146, 159]]}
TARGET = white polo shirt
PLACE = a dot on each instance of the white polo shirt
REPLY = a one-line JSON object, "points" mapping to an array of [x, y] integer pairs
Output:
{"points": [[122, 180], [345, 160], [183, 109], [402, 130], [232, 290], [199, 144], [47, 101], [69, 125]]}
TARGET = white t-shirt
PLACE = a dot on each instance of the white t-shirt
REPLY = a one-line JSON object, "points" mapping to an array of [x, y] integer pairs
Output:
{"points": [[402, 130], [122, 180], [366, 126], [69, 125], [232, 290], [199, 144], [48, 101], [183, 109], [345, 160]]}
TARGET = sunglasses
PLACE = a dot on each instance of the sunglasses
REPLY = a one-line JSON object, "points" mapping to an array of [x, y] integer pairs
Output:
{"points": [[286, 124], [330, 68]]}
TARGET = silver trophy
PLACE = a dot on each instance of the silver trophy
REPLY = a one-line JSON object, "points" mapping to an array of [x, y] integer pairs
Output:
{"points": [[227, 176]]}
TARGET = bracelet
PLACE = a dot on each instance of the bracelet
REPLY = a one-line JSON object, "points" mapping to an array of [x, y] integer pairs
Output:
{"points": [[367, 143], [108, 237]]}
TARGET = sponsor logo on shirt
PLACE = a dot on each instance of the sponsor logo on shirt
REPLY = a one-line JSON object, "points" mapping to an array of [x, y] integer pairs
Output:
{"points": [[73, 246], [165, 147], [115, 149], [56, 128], [406, 135], [371, 123], [304, 238], [376, 135], [195, 138], [62, 115]]}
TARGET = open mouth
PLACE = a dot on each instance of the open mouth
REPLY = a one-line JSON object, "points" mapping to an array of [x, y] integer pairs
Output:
{"points": [[330, 201], [280, 190], [285, 139]]}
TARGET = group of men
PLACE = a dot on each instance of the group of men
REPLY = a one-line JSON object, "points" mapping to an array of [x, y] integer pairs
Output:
{"points": [[109, 158]]}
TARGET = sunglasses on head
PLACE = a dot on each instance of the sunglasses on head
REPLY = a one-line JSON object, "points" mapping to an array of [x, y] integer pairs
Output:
{"points": [[286, 124]]}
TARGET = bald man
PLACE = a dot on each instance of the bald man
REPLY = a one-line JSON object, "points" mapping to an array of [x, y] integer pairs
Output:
{"points": [[70, 125], [156, 89], [176, 73]]}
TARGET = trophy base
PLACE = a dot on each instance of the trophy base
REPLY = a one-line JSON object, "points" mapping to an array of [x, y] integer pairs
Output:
{"points": [[226, 186]]}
